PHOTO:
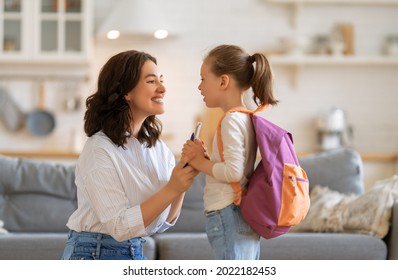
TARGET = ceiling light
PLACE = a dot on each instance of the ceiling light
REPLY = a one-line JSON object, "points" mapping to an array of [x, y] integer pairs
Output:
{"points": [[161, 34], [113, 34]]}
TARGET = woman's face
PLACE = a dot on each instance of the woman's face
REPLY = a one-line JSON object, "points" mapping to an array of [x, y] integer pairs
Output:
{"points": [[209, 86], [146, 98]]}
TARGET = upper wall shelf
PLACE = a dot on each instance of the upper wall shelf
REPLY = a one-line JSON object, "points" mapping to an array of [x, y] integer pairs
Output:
{"points": [[349, 2], [298, 4], [319, 60], [298, 61]]}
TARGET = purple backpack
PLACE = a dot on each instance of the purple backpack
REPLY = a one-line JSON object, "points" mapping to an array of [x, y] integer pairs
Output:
{"points": [[277, 195]]}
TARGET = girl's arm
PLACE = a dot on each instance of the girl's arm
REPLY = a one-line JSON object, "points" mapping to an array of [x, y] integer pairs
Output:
{"points": [[232, 168]]}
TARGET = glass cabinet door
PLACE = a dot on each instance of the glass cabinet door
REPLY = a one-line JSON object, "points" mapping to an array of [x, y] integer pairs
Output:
{"points": [[60, 26], [73, 42], [11, 26], [73, 26], [49, 36]]}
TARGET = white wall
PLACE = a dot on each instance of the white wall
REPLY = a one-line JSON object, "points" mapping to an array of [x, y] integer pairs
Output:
{"points": [[369, 95]]}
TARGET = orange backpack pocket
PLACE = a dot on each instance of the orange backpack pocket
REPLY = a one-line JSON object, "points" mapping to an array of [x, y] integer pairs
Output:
{"points": [[295, 195]]}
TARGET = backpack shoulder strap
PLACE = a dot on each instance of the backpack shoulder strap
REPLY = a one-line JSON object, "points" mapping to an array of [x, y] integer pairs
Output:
{"points": [[235, 185], [219, 138], [235, 109]]}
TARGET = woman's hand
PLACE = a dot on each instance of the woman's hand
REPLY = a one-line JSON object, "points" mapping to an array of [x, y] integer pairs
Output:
{"points": [[171, 194], [182, 178]]}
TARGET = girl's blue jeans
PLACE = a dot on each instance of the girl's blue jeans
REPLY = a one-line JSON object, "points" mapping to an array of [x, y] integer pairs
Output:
{"points": [[98, 246], [230, 236]]}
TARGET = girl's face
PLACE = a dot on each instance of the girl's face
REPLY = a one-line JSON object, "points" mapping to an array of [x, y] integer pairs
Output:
{"points": [[209, 86], [146, 98]]}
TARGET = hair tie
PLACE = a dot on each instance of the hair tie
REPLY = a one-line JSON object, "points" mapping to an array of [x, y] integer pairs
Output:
{"points": [[252, 59]]}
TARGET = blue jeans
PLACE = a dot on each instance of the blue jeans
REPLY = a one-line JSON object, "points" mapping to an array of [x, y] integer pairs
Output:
{"points": [[98, 246], [230, 236]]}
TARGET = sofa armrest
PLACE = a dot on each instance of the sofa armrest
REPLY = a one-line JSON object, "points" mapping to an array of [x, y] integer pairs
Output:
{"points": [[392, 238]]}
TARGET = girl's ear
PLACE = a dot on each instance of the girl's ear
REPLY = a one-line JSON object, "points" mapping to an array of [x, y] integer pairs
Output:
{"points": [[127, 97], [224, 81]]}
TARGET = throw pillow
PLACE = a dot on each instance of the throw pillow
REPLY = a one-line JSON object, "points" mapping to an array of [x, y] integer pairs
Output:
{"points": [[324, 201], [369, 213], [2, 229]]}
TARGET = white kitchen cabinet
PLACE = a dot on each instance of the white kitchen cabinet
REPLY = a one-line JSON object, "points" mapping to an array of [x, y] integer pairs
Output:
{"points": [[45, 37]]}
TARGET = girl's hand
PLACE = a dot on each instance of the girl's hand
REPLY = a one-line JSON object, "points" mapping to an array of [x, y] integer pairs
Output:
{"points": [[207, 156], [190, 149], [195, 151]]}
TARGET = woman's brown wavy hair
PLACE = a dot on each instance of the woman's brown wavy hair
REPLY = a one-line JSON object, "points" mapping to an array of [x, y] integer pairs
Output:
{"points": [[108, 111]]}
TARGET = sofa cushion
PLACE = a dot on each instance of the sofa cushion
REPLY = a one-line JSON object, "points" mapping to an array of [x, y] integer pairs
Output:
{"points": [[183, 246], [339, 169], [32, 246], [46, 246], [36, 196], [291, 246], [323, 246]]}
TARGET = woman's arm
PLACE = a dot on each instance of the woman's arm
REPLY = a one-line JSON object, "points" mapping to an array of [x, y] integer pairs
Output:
{"points": [[172, 193], [175, 208]]}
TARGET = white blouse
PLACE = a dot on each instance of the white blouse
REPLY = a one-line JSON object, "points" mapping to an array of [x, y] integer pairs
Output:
{"points": [[240, 149], [112, 182]]}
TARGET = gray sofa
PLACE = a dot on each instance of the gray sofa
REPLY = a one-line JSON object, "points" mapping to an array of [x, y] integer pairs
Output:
{"points": [[36, 199]]}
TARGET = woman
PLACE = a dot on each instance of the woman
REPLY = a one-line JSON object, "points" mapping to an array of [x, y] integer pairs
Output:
{"points": [[127, 183]]}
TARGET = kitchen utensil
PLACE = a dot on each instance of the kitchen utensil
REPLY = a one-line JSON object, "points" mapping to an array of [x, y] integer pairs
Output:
{"points": [[10, 113], [331, 127], [40, 122], [72, 99], [347, 34], [391, 45]]}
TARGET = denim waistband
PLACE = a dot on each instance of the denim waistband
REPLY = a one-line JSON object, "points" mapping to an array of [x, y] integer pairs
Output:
{"points": [[94, 245], [101, 236]]}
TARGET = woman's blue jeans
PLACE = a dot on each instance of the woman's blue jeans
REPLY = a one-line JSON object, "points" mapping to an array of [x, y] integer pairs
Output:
{"points": [[230, 236], [98, 246]]}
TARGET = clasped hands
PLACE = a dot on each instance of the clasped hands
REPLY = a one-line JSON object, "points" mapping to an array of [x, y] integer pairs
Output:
{"points": [[196, 152]]}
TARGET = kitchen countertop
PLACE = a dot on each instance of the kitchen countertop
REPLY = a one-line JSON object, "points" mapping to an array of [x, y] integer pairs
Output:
{"points": [[41, 154], [74, 155]]}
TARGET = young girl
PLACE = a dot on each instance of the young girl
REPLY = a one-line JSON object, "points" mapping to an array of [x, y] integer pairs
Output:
{"points": [[226, 73]]}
